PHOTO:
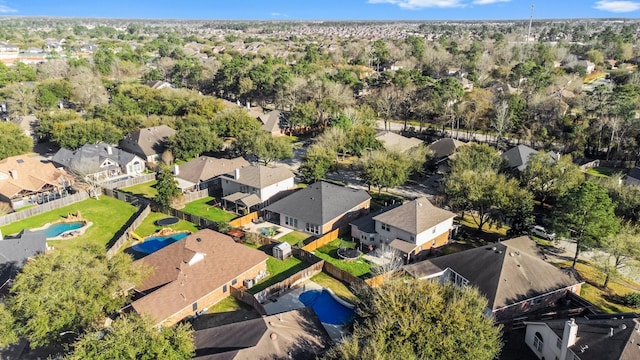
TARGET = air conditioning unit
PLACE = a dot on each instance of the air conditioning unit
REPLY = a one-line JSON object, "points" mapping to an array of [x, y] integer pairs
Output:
{"points": [[248, 283]]}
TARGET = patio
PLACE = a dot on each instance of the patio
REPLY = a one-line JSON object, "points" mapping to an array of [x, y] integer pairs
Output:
{"points": [[259, 228]]}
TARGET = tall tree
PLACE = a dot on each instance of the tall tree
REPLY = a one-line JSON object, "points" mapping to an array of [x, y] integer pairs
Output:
{"points": [[8, 335], [384, 169], [167, 186], [620, 250], [401, 319], [587, 213], [13, 141], [548, 178], [317, 162]]}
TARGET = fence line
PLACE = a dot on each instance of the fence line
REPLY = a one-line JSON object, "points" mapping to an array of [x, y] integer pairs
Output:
{"points": [[129, 182], [284, 285], [244, 220], [138, 218], [321, 241], [195, 195], [342, 275], [248, 299], [42, 208]]}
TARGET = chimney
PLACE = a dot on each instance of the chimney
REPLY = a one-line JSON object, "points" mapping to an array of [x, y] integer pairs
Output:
{"points": [[176, 169], [569, 337], [236, 174], [248, 105], [610, 332], [109, 150], [14, 174]]}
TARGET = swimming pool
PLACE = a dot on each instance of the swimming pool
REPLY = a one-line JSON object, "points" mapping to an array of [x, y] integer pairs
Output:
{"points": [[55, 230], [155, 243], [269, 231], [326, 307]]}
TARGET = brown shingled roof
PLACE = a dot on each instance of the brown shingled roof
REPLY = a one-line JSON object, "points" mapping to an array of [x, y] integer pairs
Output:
{"points": [[28, 172], [204, 168], [415, 216]]}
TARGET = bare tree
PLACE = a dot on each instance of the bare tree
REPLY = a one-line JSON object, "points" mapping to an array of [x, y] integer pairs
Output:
{"points": [[502, 121]]}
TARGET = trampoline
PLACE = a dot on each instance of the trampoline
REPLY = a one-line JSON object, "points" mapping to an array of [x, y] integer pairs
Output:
{"points": [[167, 221]]}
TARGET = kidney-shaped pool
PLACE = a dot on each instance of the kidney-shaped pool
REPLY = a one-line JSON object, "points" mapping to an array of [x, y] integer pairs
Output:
{"points": [[326, 307]]}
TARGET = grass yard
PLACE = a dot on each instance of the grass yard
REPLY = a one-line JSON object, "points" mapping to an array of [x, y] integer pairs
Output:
{"points": [[329, 253], [278, 270], [147, 189], [205, 208], [225, 305], [149, 226], [338, 287], [107, 214], [294, 237], [600, 171], [603, 298]]}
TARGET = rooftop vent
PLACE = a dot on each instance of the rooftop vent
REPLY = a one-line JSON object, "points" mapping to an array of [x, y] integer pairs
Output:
{"points": [[198, 239]]}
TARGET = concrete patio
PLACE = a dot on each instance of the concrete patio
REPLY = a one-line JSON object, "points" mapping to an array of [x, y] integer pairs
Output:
{"points": [[255, 228]]}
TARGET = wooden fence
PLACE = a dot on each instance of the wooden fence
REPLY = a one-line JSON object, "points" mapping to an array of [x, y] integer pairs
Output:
{"points": [[284, 285], [123, 235], [43, 208], [129, 181], [248, 299], [195, 195], [321, 241], [194, 219], [244, 220]]}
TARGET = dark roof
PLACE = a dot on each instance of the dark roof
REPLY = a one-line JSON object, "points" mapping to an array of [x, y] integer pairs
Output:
{"points": [[505, 273], [593, 341], [445, 147], [296, 334], [88, 158], [205, 168], [271, 121], [15, 251], [518, 156], [320, 202], [366, 223], [415, 216], [634, 173], [147, 141]]}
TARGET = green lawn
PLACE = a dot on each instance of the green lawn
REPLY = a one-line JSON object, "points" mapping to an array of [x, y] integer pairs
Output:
{"points": [[147, 189], [205, 208], [338, 287], [601, 171], [278, 270], [149, 226], [107, 214], [328, 252], [225, 305], [294, 237]]}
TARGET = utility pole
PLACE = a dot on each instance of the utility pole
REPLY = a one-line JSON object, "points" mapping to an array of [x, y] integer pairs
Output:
{"points": [[530, 21]]}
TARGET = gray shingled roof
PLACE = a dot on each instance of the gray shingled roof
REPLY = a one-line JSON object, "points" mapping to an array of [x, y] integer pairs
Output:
{"points": [[89, 157], [271, 121], [261, 176], [445, 147], [511, 273], [415, 216], [518, 156], [205, 168], [19, 249], [320, 202], [147, 141]]}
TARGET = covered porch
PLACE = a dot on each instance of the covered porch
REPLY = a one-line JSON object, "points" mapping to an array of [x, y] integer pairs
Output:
{"points": [[241, 203]]}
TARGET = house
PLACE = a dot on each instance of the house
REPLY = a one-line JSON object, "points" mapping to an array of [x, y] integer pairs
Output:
{"points": [[409, 228], [396, 142], [204, 172], [148, 143], [273, 122], [511, 274], [16, 251], [99, 162], [190, 275], [518, 156], [251, 187], [296, 334], [443, 150], [633, 176], [319, 208], [596, 337], [26, 180], [159, 84]]}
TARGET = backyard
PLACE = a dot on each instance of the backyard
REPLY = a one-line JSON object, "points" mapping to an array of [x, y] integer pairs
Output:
{"points": [[149, 226], [147, 189], [328, 253], [278, 270], [294, 237], [107, 214], [206, 208], [338, 287]]}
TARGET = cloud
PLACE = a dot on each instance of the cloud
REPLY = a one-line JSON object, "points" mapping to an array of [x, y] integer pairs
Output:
{"points": [[617, 6], [277, 14], [418, 4], [487, 2], [4, 9]]}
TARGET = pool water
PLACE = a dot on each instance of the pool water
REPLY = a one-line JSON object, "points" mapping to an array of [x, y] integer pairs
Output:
{"points": [[57, 229], [155, 243], [329, 311]]}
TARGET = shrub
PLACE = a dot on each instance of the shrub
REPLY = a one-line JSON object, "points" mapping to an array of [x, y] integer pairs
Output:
{"points": [[632, 299]]}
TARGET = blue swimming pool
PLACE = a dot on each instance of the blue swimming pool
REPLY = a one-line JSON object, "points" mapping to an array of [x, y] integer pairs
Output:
{"points": [[57, 229], [155, 243], [326, 307]]}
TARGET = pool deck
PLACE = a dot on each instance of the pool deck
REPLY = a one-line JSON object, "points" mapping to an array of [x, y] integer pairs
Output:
{"points": [[289, 301], [255, 228]]}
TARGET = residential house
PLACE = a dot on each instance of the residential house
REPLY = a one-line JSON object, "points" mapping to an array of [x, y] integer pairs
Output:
{"points": [[409, 228], [273, 122], [148, 143], [204, 172], [633, 176], [596, 337], [99, 162], [159, 84], [444, 150], [396, 142], [250, 187], [511, 274], [193, 274], [16, 251], [319, 208], [518, 156], [27, 180], [8, 51], [295, 334]]}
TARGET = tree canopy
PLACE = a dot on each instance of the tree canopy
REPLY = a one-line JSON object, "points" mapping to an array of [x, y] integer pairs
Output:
{"points": [[13, 141]]}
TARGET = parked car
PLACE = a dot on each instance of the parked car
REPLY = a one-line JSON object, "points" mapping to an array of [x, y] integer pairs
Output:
{"points": [[541, 232]]}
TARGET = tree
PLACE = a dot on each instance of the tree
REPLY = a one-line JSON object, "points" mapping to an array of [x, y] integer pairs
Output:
{"points": [[74, 134], [167, 186], [7, 333], [547, 178], [13, 141], [620, 250], [317, 162], [586, 212], [403, 318], [132, 337], [385, 169], [192, 141], [502, 122], [270, 148], [477, 157], [69, 290]]}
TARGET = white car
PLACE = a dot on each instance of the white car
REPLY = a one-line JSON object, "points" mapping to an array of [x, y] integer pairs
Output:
{"points": [[541, 232]]}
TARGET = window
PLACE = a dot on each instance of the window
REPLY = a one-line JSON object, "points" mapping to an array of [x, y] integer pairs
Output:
{"points": [[234, 281], [538, 342], [293, 222], [224, 288], [559, 343], [194, 307], [412, 238], [385, 227], [312, 228]]}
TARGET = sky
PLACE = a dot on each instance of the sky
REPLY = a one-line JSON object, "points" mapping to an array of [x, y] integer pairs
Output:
{"points": [[324, 9]]}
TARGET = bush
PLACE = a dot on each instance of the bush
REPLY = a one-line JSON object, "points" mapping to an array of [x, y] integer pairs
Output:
{"points": [[632, 299]]}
